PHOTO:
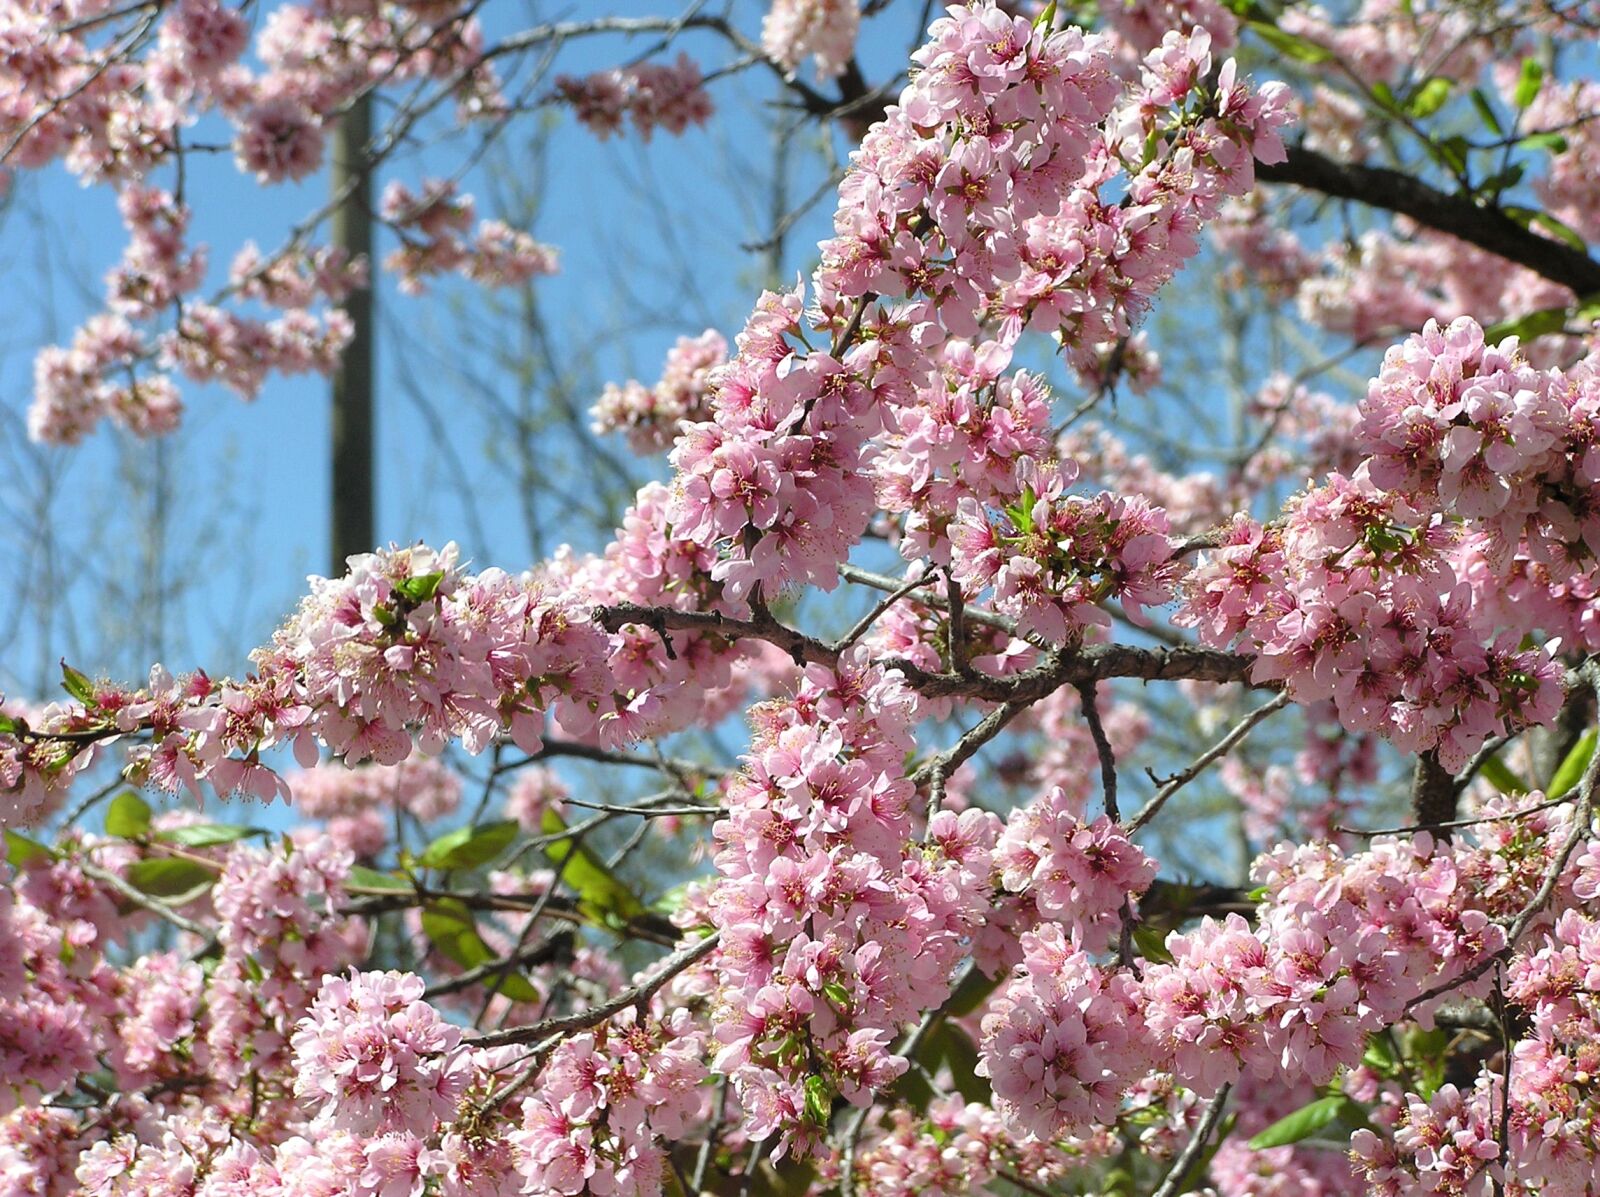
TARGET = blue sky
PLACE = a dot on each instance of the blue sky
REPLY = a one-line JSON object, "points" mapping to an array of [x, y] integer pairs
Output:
{"points": [[650, 240]]}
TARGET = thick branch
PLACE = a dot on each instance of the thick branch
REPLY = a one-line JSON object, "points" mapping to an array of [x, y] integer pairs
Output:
{"points": [[1394, 191], [1072, 666], [1433, 794]]}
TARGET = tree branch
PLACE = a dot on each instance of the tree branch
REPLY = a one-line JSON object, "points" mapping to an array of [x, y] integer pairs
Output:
{"points": [[639, 995], [1486, 227]]}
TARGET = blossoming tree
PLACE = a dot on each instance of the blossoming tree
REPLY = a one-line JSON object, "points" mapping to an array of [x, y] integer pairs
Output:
{"points": [[920, 936]]}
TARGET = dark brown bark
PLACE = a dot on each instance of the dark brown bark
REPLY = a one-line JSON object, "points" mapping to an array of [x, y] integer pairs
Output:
{"points": [[1487, 227]]}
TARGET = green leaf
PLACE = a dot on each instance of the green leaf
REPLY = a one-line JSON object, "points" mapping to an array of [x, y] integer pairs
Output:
{"points": [[1534, 324], [170, 877], [602, 896], [951, 1047], [1528, 83], [1288, 43], [1563, 232], [1570, 772], [128, 816], [448, 924], [1486, 112], [819, 1100], [372, 879], [1152, 943], [1425, 1052], [671, 902], [1554, 142], [1501, 180], [1451, 152], [973, 991], [515, 986], [205, 835], [20, 850], [9, 726], [1502, 777], [1152, 146], [1304, 1122], [1046, 18], [77, 684], [469, 847], [1429, 98], [1386, 97], [420, 588], [1380, 1055]]}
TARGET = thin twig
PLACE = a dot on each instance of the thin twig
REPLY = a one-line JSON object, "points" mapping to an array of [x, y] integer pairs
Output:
{"points": [[1196, 1145], [1218, 750], [637, 995]]}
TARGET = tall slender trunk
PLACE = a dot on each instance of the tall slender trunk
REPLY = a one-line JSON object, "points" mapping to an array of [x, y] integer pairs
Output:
{"points": [[353, 495]]}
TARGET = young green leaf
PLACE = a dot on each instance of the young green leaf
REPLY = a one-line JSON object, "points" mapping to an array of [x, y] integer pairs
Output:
{"points": [[819, 1101], [420, 588], [602, 896], [951, 1047], [128, 816], [1528, 83], [170, 877], [206, 835], [1501, 180], [1502, 777], [1570, 772], [1486, 112], [1288, 43], [1429, 98], [77, 684], [1152, 943], [973, 991], [20, 850], [1561, 231], [448, 924], [1534, 324], [372, 879], [1555, 143], [1426, 1052], [1304, 1122], [512, 984], [469, 847], [1380, 1055]]}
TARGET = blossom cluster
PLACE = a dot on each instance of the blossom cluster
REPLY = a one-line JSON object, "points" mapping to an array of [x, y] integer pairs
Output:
{"points": [[405, 652], [1052, 559], [824, 30], [607, 1103], [652, 95], [437, 237], [977, 197], [1354, 598], [836, 928], [652, 415]]}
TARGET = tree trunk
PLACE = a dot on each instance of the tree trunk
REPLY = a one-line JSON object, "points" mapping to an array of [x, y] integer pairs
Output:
{"points": [[353, 493]]}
